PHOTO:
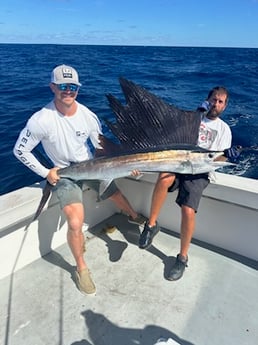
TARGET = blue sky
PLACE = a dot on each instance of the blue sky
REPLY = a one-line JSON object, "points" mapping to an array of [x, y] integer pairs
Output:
{"points": [[220, 23]]}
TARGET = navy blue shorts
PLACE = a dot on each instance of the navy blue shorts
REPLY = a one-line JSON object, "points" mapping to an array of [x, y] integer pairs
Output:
{"points": [[190, 188]]}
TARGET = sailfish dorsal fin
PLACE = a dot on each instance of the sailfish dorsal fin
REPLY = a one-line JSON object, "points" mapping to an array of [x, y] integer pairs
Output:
{"points": [[148, 122]]}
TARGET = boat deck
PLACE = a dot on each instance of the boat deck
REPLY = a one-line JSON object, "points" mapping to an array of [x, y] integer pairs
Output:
{"points": [[215, 303]]}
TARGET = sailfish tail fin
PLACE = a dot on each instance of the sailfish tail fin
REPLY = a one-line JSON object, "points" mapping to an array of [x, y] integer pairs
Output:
{"points": [[45, 196]]}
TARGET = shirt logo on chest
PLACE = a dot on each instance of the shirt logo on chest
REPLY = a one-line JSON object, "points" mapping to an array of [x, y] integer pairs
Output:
{"points": [[81, 134]]}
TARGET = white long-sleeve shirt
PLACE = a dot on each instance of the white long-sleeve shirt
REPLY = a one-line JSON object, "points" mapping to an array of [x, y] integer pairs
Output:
{"points": [[64, 138]]}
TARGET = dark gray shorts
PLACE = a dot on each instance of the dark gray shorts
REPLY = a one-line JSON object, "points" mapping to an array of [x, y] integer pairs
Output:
{"points": [[69, 191], [190, 188]]}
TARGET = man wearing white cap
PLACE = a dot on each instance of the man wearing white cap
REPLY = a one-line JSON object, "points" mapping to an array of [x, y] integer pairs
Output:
{"points": [[64, 127]]}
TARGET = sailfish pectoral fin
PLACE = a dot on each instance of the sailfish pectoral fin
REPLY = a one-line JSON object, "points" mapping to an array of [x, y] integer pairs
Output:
{"points": [[104, 184]]}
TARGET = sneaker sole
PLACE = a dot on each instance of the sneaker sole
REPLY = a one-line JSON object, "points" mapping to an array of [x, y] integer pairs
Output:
{"points": [[174, 279], [136, 223]]}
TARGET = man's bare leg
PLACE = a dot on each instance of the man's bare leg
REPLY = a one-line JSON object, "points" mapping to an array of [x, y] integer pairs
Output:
{"points": [[75, 238], [186, 234], [164, 181], [151, 228], [123, 204]]}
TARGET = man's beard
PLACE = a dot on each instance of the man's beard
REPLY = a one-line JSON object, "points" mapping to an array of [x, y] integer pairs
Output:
{"points": [[213, 114]]}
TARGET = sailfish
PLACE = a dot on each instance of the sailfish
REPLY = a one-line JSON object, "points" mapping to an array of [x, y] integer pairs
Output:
{"points": [[153, 136]]}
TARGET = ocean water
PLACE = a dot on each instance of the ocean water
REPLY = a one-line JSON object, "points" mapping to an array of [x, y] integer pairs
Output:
{"points": [[180, 75]]}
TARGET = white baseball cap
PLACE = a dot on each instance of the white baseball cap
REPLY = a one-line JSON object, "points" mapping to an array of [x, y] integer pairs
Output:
{"points": [[65, 74]]}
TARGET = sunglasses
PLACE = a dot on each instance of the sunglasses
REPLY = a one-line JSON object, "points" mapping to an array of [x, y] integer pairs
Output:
{"points": [[65, 87]]}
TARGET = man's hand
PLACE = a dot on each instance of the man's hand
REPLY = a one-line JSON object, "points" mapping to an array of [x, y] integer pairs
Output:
{"points": [[204, 107], [233, 153], [52, 176], [135, 173]]}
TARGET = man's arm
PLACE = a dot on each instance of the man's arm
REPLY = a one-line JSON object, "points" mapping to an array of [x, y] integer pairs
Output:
{"points": [[232, 153], [22, 151]]}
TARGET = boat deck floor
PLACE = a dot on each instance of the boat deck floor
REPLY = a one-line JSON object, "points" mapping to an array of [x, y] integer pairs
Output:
{"points": [[215, 303]]}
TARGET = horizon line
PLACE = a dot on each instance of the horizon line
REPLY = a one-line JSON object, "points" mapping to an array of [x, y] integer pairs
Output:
{"points": [[127, 45]]}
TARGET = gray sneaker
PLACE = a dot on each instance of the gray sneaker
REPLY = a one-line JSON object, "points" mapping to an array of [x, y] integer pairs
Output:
{"points": [[139, 220], [147, 235], [84, 282], [178, 269]]}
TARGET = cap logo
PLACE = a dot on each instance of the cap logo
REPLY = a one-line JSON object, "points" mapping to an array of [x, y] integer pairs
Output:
{"points": [[67, 73]]}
